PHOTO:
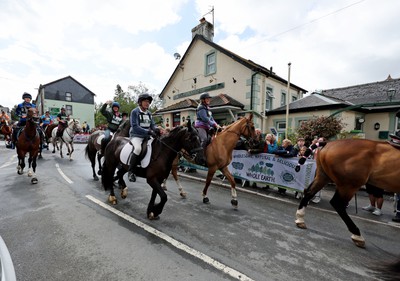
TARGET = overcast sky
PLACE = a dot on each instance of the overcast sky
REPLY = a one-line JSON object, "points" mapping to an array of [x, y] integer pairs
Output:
{"points": [[103, 43]]}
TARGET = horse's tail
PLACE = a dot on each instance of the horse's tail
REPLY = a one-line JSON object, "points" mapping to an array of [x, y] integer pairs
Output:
{"points": [[106, 179], [307, 154], [87, 151], [388, 271]]}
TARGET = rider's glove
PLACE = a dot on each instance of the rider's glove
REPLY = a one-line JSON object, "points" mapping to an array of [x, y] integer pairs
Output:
{"points": [[152, 133]]}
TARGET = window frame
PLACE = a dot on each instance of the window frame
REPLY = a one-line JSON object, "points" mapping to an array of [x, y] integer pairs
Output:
{"points": [[68, 96], [211, 67]]}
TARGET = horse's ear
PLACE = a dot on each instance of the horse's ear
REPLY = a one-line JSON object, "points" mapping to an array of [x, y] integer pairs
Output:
{"points": [[251, 116], [189, 125]]}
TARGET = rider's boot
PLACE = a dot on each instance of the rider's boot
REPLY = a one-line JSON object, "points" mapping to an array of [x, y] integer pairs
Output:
{"points": [[132, 166], [103, 146]]}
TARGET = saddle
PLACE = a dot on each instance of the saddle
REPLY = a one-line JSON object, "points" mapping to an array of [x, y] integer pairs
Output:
{"points": [[395, 140], [145, 154]]}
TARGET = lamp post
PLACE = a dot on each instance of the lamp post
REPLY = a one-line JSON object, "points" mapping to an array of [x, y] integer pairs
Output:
{"points": [[287, 102], [391, 93]]}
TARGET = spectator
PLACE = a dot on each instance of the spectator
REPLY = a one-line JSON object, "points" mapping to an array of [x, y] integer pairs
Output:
{"points": [[375, 195], [270, 145], [299, 144], [285, 150]]}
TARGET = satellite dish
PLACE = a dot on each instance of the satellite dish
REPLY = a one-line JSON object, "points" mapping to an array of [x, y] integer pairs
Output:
{"points": [[177, 56]]}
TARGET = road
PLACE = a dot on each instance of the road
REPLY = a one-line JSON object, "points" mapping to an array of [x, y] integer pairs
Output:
{"points": [[64, 229]]}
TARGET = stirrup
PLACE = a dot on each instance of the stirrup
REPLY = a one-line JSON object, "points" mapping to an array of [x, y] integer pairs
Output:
{"points": [[131, 177]]}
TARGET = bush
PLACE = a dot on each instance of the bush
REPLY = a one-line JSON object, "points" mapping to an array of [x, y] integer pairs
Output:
{"points": [[320, 126]]}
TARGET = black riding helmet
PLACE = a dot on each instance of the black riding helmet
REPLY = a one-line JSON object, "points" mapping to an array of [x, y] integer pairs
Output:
{"points": [[143, 97], [26, 95], [205, 96]]}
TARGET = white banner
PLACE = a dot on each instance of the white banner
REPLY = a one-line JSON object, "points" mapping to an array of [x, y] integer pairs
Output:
{"points": [[271, 169]]}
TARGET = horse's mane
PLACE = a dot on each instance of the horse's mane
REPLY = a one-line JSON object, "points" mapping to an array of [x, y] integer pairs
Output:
{"points": [[123, 129], [174, 132]]}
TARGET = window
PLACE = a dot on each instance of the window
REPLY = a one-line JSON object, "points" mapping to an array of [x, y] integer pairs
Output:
{"points": [[283, 99], [68, 110], [281, 126], [359, 123], [176, 119], [210, 67], [294, 98], [398, 124], [68, 96], [268, 98]]}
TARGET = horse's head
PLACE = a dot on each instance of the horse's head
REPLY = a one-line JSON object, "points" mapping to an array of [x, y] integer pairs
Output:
{"points": [[74, 125], [192, 145], [33, 115], [248, 131]]}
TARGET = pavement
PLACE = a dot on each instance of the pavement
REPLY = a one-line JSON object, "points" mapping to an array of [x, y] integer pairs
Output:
{"points": [[354, 209]]}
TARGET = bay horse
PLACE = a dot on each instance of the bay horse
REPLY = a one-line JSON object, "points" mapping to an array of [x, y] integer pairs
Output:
{"points": [[93, 147], [219, 152], [48, 134], [6, 131], [28, 141], [350, 164], [164, 151], [67, 137]]}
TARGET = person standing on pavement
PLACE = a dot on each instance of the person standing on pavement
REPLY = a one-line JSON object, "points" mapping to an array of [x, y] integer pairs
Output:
{"points": [[375, 195], [396, 218]]}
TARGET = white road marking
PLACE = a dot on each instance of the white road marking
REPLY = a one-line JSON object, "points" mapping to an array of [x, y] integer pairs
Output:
{"points": [[63, 175], [207, 259], [9, 162]]}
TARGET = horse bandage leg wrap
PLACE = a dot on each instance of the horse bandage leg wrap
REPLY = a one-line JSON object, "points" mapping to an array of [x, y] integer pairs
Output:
{"points": [[233, 193], [300, 213]]}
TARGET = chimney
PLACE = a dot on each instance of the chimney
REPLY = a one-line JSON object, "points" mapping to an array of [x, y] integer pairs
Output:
{"points": [[204, 28]]}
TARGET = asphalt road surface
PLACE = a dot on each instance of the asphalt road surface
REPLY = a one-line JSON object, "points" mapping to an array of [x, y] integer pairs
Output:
{"points": [[64, 229]]}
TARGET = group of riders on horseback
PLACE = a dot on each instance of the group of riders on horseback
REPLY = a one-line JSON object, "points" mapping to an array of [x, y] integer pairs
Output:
{"points": [[45, 120]]}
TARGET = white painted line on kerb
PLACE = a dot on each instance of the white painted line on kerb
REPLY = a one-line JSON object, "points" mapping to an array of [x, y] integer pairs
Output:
{"points": [[209, 260], [63, 175]]}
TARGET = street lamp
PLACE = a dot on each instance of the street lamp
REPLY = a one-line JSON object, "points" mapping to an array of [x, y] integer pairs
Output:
{"points": [[391, 93], [287, 102]]}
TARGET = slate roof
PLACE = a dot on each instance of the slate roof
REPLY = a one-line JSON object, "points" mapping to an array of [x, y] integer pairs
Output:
{"points": [[369, 93], [216, 101]]}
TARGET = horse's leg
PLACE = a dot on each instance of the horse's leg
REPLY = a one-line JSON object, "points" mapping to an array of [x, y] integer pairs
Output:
{"points": [[228, 175], [92, 158], [30, 172], [108, 181], [174, 172], [318, 183], [210, 174], [61, 145], [121, 183], [21, 164], [154, 210], [339, 203], [34, 179], [99, 156], [70, 150]]}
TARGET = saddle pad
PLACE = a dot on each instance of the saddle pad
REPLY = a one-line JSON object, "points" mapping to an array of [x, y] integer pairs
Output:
{"points": [[98, 140], [124, 157]]}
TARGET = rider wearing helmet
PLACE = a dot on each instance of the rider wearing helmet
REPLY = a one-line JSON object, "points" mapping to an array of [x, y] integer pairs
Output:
{"points": [[62, 122], [114, 119], [142, 126], [204, 121], [21, 111]]}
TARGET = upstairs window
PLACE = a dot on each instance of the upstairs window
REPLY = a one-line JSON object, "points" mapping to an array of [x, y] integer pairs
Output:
{"points": [[283, 99], [269, 98], [68, 96], [211, 64]]}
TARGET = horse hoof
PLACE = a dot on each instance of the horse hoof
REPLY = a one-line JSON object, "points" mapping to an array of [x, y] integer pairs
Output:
{"points": [[96, 178], [234, 203], [40, 157], [99, 172], [152, 217], [164, 188], [53, 152], [206, 200], [358, 240], [112, 200], [301, 225], [124, 193], [20, 172], [34, 181], [183, 194]]}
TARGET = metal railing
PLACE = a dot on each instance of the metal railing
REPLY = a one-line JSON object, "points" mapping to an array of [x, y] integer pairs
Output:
{"points": [[7, 267]]}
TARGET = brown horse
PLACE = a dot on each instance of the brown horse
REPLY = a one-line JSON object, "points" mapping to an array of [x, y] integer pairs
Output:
{"points": [[6, 131], [47, 134], [219, 152], [350, 164], [28, 142]]}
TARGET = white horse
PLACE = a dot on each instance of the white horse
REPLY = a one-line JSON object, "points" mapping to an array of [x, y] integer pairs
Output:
{"points": [[67, 137]]}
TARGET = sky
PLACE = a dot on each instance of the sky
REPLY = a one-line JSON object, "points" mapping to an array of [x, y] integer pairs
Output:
{"points": [[102, 44]]}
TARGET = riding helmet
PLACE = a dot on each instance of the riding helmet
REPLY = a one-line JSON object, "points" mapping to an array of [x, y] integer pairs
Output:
{"points": [[62, 108], [115, 104], [143, 97], [26, 95], [205, 96]]}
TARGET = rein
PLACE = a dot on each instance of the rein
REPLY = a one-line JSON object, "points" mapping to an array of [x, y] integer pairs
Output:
{"points": [[180, 152]]}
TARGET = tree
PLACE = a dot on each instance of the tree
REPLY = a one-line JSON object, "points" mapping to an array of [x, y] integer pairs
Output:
{"points": [[320, 126]]}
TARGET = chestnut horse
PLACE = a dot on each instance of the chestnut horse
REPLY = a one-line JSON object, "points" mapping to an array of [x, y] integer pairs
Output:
{"points": [[351, 163], [28, 142], [164, 151], [93, 147], [219, 152], [6, 131]]}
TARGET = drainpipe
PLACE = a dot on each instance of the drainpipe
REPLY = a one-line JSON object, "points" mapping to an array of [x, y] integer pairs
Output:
{"points": [[252, 88]]}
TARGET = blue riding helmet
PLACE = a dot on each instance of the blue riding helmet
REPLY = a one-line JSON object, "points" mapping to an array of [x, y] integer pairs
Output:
{"points": [[26, 95], [115, 104]]}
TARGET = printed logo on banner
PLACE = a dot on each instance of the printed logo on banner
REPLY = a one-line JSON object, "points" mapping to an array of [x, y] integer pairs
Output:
{"points": [[287, 177]]}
